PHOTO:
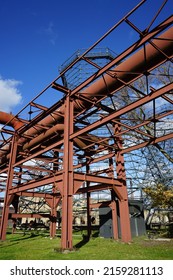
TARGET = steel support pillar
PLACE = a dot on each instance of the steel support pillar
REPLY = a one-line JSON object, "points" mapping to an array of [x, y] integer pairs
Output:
{"points": [[53, 203], [15, 203], [53, 219], [8, 198], [124, 220], [88, 215], [88, 205], [113, 203], [123, 203], [114, 220], [68, 189]]}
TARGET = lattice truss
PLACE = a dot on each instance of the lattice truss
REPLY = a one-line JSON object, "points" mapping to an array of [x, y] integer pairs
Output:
{"points": [[121, 107]]}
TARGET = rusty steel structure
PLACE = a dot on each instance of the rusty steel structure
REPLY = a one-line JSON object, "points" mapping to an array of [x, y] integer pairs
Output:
{"points": [[51, 153]]}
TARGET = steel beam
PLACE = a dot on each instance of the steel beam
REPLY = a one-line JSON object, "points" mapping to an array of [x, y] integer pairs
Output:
{"points": [[53, 204], [123, 203], [113, 206], [8, 197], [68, 189], [30, 215]]}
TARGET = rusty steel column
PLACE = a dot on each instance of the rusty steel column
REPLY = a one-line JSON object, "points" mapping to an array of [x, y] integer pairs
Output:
{"points": [[53, 203], [53, 219], [113, 204], [8, 198], [114, 219], [123, 203], [68, 182], [88, 203], [88, 214]]}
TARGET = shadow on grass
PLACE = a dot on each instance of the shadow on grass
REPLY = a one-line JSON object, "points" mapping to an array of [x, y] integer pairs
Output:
{"points": [[83, 242], [95, 234], [15, 242]]}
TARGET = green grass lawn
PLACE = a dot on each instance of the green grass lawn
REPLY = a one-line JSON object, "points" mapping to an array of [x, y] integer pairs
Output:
{"points": [[41, 247]]}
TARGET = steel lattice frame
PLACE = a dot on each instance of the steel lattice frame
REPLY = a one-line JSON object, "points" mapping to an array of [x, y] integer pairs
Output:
{"points": [[65, 137]]}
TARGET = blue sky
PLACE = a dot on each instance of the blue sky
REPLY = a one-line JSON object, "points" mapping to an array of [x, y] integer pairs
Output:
{"points": [[37, 36]]}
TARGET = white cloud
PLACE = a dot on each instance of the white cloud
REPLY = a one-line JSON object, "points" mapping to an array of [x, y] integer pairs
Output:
{"points": [[10, 95]]}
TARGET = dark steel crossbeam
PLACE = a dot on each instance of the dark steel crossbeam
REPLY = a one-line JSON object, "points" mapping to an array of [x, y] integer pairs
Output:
{"points": [[60, 88], [167, 99], [38, 106]]}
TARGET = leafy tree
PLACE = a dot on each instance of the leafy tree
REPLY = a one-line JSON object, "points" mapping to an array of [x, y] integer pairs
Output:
{"points": [[160, 196]]}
